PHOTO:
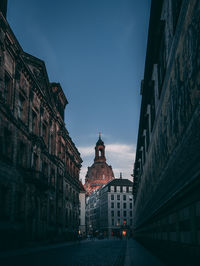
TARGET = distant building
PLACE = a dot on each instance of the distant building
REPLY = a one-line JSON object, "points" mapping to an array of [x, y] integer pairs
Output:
{"points": [[100, 173], [92, 213], [39, 163], [82, 209], [116, 208], [167, 163], [110, 209]]}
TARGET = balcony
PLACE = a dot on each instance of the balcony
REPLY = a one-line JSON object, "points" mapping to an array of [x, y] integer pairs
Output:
{"points": [[37, 178]]}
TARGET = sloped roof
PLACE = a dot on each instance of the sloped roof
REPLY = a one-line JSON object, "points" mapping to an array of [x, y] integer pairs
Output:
{"points": [[120, 182]]}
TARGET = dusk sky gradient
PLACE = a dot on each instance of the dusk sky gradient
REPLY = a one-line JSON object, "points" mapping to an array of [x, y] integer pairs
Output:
{"points": [[96, 49]]}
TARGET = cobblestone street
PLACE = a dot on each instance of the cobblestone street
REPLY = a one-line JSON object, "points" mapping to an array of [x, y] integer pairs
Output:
{"points": [[90, 252]]}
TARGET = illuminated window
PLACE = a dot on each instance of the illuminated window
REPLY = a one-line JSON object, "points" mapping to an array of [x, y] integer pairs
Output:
{"points": [[124, 233]]}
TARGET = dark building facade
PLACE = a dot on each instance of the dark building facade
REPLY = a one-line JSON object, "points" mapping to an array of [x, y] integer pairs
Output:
{"points": [[100, 173], [167, 165], [39, 163]]}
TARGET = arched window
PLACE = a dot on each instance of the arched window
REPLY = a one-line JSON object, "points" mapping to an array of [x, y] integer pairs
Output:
{"points": [[100, 153]]}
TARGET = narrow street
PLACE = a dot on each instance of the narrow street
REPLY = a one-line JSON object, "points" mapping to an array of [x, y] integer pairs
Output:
{"points": [[89, 252]]}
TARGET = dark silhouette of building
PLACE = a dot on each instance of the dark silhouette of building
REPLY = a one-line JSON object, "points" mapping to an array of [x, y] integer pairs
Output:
{"points": [[167, 164], [39, 163], [100, 172], [3, 7]]}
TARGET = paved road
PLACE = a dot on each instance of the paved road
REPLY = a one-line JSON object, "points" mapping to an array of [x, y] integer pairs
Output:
{"points": [[86, 253]]}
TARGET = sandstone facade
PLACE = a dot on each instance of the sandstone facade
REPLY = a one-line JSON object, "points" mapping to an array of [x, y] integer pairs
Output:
{"points": [[39, 163]]}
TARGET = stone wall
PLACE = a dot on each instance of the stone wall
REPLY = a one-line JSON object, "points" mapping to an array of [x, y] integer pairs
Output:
{"points": [[167, 166]]}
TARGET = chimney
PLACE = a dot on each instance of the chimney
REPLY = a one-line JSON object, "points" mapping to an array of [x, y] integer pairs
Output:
{"points": [[120, 175], [3, 7]]}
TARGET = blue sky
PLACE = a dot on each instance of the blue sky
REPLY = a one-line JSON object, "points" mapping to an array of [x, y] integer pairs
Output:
{"points": [[96, 50]]}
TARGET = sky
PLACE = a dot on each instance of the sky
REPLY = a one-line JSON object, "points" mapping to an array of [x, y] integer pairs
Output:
{"points": [[96, 50]]}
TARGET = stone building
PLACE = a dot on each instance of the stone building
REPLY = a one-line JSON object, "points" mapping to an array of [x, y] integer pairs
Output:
{"points": [[93, 213], [116, 208], [167, 164], [100, 172], [39, 163], [82, 208], [109, 210]]}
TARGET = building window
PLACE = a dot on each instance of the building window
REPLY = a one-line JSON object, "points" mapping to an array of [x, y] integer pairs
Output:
{"points": [[22, 156], [124, 189], [112, 213], [118, 222], [112, 222], [8, 89], [130, 189], [124, 213], [118, 213], [45, 168], [34, 122], [52, 177], [35, 162], [118, 188], [131, 205], [124, 222], [124, 197], [60, 183], [45, 133], [21, 108], [131, 213], [51, 147], [112, 204], [118, 205], [131, 222], [124, 205], [112, 197], [118, 197], [112, 188]]}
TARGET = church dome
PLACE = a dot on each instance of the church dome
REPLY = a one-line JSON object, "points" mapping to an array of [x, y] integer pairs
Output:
{"points": [[100, 173]]}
